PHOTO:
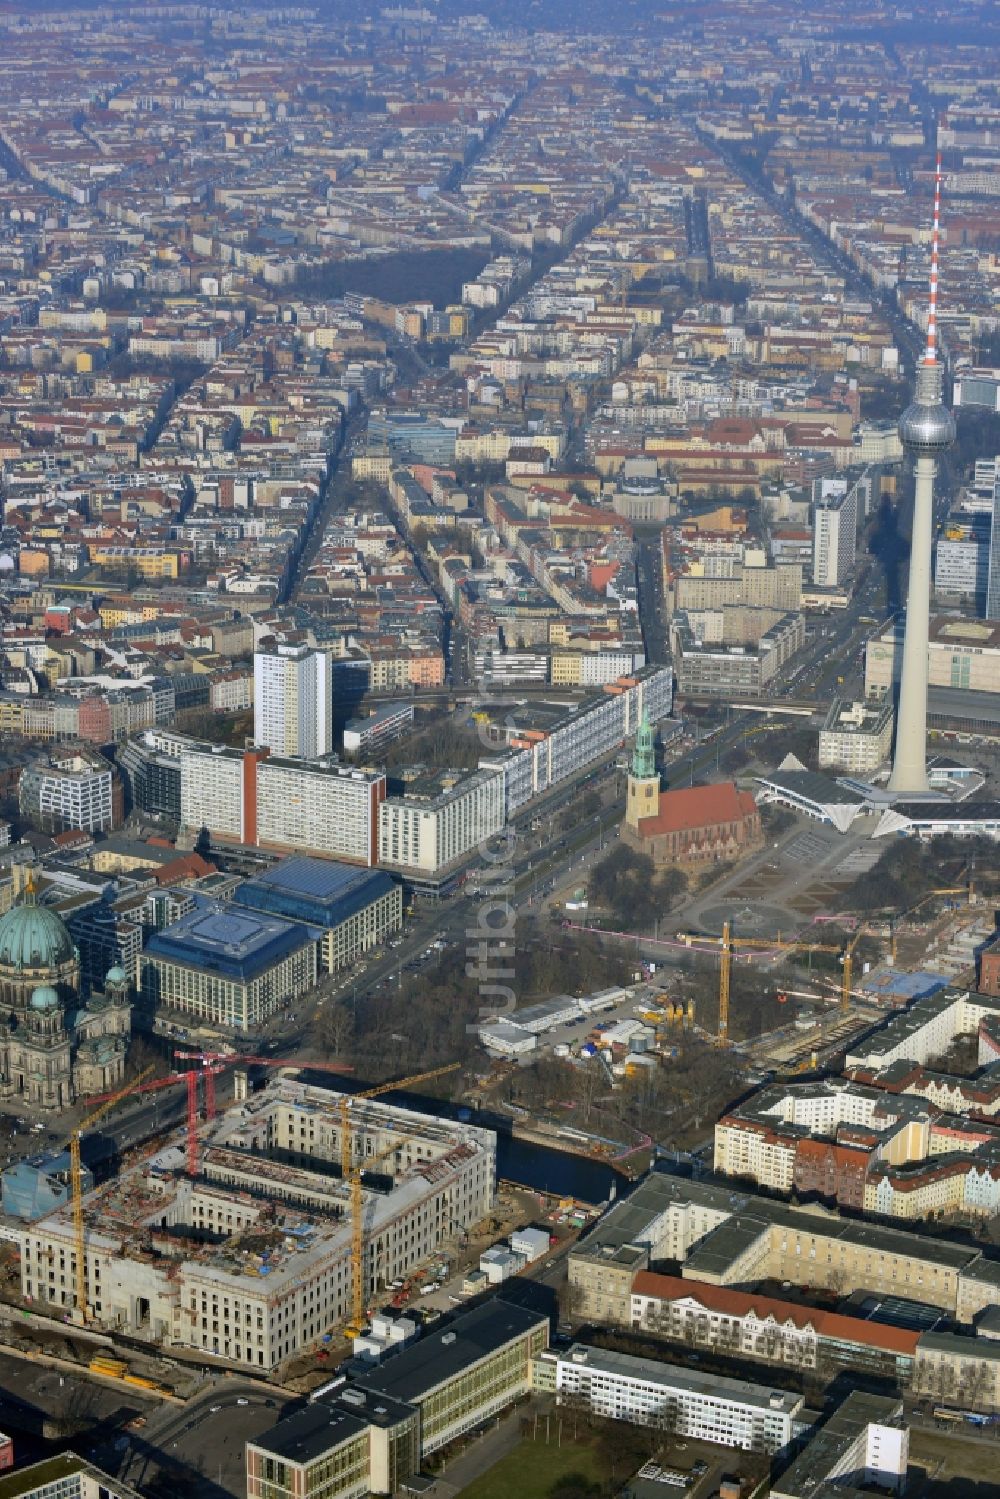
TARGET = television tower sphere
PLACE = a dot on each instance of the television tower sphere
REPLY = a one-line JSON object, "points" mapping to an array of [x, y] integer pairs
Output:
{"points": [[927, 426]]}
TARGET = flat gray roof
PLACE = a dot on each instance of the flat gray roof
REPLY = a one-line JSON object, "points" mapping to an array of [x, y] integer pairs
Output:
{"points": [[812, 787], [411, 1374], [812, 1474], [682, 1377]]}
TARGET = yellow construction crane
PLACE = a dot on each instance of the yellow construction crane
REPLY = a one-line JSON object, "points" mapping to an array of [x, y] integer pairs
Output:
{"points": [[725, 973], [346, 1142], [352, 1175], [728, 944], [76, 1185], [358, 1234]]}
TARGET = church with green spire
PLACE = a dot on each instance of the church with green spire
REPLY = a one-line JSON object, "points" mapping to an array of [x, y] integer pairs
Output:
{"points": [[643, 795]]}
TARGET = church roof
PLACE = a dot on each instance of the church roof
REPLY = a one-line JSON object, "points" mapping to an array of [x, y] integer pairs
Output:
{"points": [[692, 808], [33, 936]]}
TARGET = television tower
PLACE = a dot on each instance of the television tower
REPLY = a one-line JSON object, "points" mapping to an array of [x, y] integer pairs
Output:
{"points": [[926, 428]]}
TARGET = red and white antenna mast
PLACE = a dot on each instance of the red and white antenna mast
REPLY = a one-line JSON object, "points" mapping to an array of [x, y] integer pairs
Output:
{"points": [[931, 355]]}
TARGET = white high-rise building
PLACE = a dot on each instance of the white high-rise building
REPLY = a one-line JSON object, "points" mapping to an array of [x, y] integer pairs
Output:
{"points": [[835, 532], [436, 823], [293, 704]]}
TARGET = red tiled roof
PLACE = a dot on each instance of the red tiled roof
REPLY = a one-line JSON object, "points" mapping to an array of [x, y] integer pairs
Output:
{"points": [[695, 807], [739, 1303]]}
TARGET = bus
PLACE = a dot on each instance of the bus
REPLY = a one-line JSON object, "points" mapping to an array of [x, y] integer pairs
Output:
{"points": [[972, 1418]]}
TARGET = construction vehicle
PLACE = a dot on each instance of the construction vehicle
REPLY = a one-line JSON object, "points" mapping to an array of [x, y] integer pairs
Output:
{"points": [[76, 1185]]}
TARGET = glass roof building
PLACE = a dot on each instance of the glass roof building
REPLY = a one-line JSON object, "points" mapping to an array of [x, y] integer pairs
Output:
{"points": [[356, 908]]}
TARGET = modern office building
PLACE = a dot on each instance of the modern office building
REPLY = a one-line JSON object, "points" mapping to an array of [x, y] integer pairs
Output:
{"points": [[835, 532], [228, 965], [862, 1448], [720, 668], [107, 934], [978, 388], [993, 567], [206, 1289], [369, 1435], [962, 561], [293, 707], [685, 1401], [439, 820], [961, 653], [65, 1476], [856, 736], [71, 787], [151, 774], [355, 909]]}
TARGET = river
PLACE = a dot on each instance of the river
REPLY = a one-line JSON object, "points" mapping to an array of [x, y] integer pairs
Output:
{"points": [[556, 1171]]}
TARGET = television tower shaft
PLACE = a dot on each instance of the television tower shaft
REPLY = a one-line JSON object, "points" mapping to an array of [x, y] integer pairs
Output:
{"points": [[926, 429]]}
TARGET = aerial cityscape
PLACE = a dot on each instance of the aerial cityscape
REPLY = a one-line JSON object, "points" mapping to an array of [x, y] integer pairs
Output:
{"points": [[500, 761]]}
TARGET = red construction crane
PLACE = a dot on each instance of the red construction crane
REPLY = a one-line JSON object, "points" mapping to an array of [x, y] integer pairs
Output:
{"points": [[170, 1081], [213, 1063]]}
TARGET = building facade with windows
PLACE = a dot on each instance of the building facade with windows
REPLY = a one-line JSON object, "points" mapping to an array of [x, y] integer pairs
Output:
{"points": [[687, 1402], [539, 755], [74, 787], [268, 801], [355, 909], [229, 966], [436, 1179], [322, 807], [436, 824], [856, 736], [835, 532], [293, 707], [371, 1434]]}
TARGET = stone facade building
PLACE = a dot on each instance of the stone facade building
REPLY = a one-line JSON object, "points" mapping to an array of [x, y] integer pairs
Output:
{"points": [[54, 1048]]}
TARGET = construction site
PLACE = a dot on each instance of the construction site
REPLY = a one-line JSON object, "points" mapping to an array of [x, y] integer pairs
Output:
{"points": [[254, 1235]]}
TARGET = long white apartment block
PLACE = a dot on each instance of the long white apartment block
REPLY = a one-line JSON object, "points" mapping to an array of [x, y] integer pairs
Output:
{"points": [[253, 797], [325, 807], [685, 1401], [212, 791], [536, 760]]}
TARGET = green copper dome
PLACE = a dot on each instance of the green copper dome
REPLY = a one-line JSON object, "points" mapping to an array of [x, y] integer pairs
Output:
{"points": [[644, 756], [32, 936], [44, 998], [116, 975]]}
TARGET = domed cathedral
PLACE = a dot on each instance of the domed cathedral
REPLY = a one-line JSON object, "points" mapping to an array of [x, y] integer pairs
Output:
{"points": [[54, 1048]]}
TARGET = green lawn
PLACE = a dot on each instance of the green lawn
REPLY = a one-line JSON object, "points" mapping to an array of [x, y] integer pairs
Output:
{"points": [[533, 1469]]}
